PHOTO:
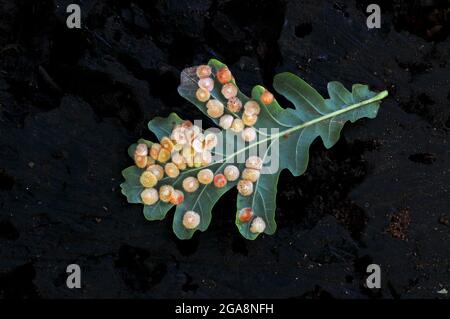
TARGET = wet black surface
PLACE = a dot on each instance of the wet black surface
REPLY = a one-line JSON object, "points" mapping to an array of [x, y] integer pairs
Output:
{"points": [[71, 101]]}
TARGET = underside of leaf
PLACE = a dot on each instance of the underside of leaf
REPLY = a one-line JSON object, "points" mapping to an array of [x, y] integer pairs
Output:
{"points": [[285, 133]]}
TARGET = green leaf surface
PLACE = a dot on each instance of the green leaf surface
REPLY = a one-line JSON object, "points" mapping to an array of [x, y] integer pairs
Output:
{"points": [[132, 188], [287, 134]]}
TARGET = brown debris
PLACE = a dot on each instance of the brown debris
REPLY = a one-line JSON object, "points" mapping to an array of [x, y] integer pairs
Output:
{"points": [[398, 226]]}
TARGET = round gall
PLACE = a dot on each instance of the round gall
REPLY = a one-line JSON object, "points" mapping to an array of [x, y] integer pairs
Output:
{"points": [[140, 161], [165, 193], [191, 220], [251, 174], [226, 121], [148, 179], [149, 196], [237, 126], [245, 214], [157, 170], [177, 197], [245, 188], [224, 75], [254, 162], [206, 83], [202, 95], [258, 225], [229, 90], [171, 170], [266, 98], [141, 149], [249, 120], [231, 173], [252, 108], [154, 150], [234, 104], [205, 176], [190, 184], [203, 71], [249, 134], [215, 108], [220, 180]]}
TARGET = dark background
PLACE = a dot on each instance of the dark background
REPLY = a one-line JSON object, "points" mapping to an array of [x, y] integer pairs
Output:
{"points": [[71, 101]]}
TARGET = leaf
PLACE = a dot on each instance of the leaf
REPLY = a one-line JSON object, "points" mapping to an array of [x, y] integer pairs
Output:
{"points": [[285, 133], [132, 188]]}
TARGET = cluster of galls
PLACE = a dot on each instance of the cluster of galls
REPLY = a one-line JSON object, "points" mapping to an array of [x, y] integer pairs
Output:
{"points": [[183, 138], [146, 157], [257, 226], [231, 173], [249, 176], [186, 147], [229, 90]]}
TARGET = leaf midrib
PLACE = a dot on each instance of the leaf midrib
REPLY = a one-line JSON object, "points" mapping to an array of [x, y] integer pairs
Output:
{"points": [[349, 108], [271, 138]]}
